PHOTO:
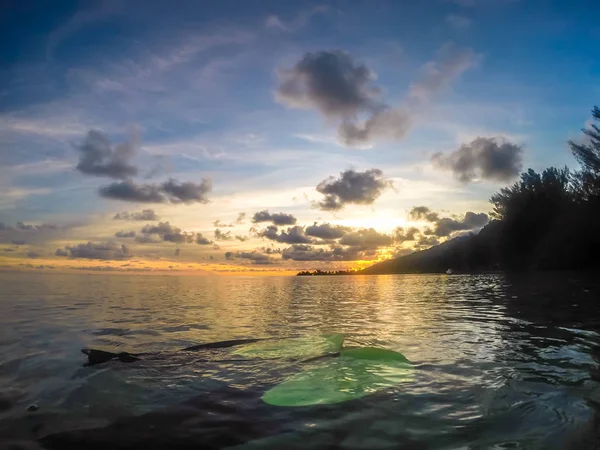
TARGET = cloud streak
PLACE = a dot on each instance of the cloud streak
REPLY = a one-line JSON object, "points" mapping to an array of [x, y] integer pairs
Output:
{"points": [[125, 234], [91, 250], [254, 256], [146, 215]]}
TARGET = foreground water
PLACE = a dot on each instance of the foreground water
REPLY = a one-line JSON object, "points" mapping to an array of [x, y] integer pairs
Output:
{"points": [[499, 362]]}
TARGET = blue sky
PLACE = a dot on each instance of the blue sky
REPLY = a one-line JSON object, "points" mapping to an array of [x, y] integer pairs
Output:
{"points": [[196, 88]]}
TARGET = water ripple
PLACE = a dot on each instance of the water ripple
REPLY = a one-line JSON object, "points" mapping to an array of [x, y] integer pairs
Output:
{"points": [[499, 362]]}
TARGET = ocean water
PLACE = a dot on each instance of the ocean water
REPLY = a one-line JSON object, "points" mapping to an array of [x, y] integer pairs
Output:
{"points": [[499, 362]]}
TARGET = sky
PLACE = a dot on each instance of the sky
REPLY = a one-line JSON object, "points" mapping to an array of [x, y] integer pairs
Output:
{"points": [[267, 137]]}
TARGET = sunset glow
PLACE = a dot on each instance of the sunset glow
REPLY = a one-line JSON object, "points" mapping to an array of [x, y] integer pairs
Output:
{"points": [[272, 138]]}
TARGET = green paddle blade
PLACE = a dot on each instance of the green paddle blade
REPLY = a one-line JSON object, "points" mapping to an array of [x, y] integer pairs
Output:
{"points": [[354, 374], [292, 348]]}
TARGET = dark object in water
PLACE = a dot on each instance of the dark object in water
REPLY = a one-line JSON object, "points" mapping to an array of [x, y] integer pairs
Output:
{"points": [[224, 418], [222, 344], [101, 356]]}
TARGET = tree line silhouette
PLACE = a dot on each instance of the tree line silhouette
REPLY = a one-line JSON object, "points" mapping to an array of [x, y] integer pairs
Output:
{"points": [[544, 221], [308, 273]]}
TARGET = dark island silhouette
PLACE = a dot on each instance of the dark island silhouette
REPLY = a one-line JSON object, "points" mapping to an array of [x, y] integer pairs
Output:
{"points": [[544, 221]]}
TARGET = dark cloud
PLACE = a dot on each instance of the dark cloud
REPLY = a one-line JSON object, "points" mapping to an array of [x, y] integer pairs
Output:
{"points": [[423, 213], [187, 192], [98, 157], [20, 226], [24, 227], [331, 82], [293, 235], [160, 229], [254, 256], [22, 233], [361, 188], [276, 218], [426, 241], [170, 191], [300, 252], [219, 224], [146, 214], [341, 89], [221, 236], [125, 234], [242, 238], [366, 238], [401, 251], [326, 231], [132, 192], [61, 252], [169, 233], [400, 235], [8, 249], [238, 221], [269, 250], [488, 158], [201, 240], [471, 221], [33, 255], [102, 250], [147, 239], [445, 226], [393, 124]]}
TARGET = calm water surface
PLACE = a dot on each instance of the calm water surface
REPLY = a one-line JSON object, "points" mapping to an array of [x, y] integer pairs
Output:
{"points": [[500, 362]]}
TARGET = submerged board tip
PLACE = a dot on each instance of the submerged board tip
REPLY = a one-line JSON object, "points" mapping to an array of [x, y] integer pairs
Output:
{"points": [[357, 372]]}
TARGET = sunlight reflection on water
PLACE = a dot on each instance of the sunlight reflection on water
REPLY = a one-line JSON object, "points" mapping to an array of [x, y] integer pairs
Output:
{"points": [[498, 360]]}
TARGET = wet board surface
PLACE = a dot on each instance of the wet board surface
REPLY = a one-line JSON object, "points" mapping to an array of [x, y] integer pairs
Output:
{"points": [[292, 348], [354, 374]]}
